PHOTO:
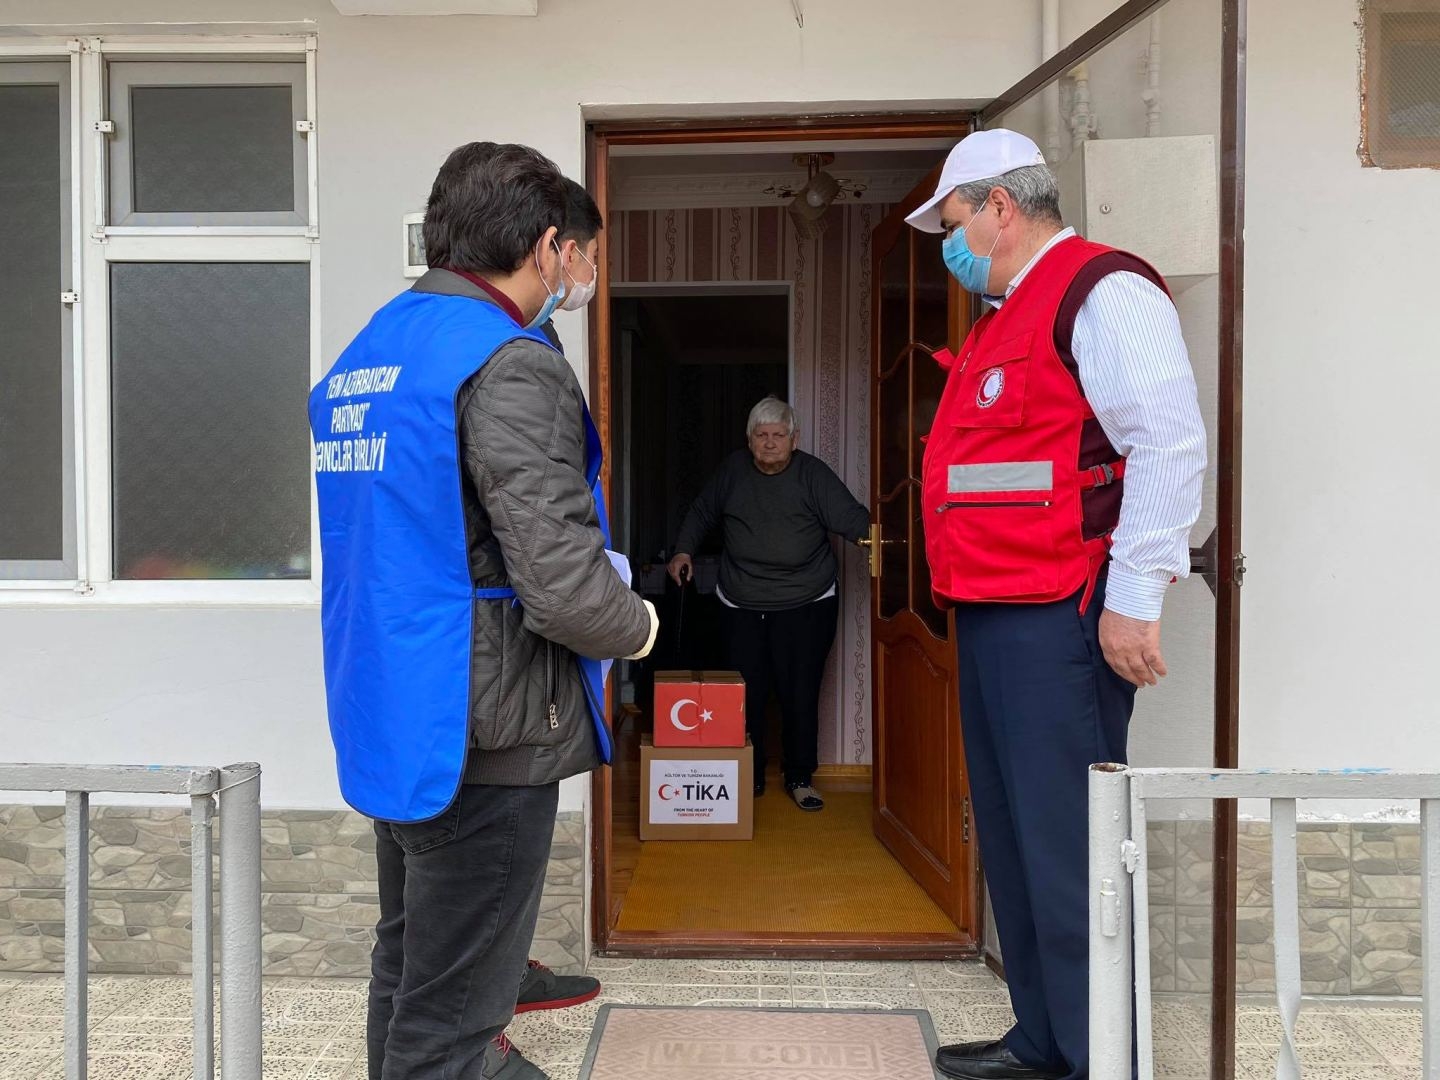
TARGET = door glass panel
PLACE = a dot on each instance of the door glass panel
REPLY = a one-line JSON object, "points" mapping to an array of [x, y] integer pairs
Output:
{"points": [[892, 438], [894, 571], [927, 384], [895, 300], [894, 434], [932, 292]]}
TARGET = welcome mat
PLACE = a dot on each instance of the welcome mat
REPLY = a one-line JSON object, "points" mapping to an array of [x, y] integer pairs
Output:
{"points": [[659, 1042]]}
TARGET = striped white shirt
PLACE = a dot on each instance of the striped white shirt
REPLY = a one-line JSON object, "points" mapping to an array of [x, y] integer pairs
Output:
{"points": [[1136, 374]]}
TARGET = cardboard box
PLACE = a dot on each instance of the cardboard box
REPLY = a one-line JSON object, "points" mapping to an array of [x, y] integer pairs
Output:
{"points": [[699, 708], [697, 793]]}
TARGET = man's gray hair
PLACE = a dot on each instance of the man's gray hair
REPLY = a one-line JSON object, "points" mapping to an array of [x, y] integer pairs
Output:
{"points": [[770, 410], [1034, 189]]}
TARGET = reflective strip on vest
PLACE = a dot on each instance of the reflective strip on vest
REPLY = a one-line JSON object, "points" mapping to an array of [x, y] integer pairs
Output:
{"points": [[1001, 476]]}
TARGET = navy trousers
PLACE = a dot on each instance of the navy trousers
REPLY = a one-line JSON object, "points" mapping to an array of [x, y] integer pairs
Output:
{"points": [[1038, 706]]}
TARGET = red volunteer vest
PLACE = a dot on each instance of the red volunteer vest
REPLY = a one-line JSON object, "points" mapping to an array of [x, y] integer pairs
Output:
{"points": [[1021, 487]]}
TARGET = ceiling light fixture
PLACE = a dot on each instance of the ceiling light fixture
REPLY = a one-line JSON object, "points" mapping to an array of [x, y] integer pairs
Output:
{"points": [[810, 202]]}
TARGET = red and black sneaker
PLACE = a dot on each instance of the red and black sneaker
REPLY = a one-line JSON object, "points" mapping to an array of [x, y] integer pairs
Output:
{"points": [[543, 989], [504, 1061]]}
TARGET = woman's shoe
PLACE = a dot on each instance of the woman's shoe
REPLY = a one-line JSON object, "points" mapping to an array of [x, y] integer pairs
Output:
{"points": [[806, 797]]}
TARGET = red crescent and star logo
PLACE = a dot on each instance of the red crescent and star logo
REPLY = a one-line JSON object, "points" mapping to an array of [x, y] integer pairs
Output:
{"points": [[992, 385]]}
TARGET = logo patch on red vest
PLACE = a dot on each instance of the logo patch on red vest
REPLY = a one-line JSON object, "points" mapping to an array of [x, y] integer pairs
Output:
{"points": [[992, 385]]}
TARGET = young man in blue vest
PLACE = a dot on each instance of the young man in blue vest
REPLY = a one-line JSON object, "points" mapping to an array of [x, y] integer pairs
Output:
{"points": [[468, 607]]}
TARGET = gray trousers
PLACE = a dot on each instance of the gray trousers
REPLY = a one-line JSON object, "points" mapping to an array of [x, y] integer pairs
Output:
{"points": [[459, 897]]}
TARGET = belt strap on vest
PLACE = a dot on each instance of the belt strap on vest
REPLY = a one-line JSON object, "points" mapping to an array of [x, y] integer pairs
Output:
{"points": [[1098, 549], [1100, 475]]}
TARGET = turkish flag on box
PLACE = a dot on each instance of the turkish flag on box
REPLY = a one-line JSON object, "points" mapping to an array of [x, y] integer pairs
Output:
{"points": [[699, 708]]}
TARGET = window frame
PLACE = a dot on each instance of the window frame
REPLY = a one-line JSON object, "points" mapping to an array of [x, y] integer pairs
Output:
{"points": [[125, 76], [96, 244], [46, 573], [1378, 149]]}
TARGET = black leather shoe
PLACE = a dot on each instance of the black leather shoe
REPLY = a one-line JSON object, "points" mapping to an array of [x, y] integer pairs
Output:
{"points": [[987, 1061]]}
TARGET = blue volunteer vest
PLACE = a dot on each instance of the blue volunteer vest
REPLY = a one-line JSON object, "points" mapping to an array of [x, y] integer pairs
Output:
{"points": [[397, 599]]}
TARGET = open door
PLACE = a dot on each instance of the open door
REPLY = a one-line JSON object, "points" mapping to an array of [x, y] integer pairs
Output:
{"points": [[921, 790]]}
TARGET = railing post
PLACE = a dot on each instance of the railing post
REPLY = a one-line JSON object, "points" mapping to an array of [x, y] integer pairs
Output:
{"points": [[202, 936], [1430, 931], [240, 1018], [1286, 892], [77, 932], [1111, 981]]}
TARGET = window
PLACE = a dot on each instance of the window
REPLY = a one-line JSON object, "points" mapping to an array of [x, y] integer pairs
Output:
{"points": [[209, 372], [207, 144], [170, 303], [37, 467], [1401, 84]]}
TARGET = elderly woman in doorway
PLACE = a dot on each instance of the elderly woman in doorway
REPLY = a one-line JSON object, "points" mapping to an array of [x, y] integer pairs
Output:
{"points": [[777, 508]]}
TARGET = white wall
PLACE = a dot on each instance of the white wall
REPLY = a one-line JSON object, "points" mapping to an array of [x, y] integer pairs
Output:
{"points": [[216, 685], [1342, 376]]}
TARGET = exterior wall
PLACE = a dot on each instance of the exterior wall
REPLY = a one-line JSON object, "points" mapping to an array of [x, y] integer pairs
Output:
{"points": [[830, 276], [1339, 631], [1359, 908], [395, 95]]}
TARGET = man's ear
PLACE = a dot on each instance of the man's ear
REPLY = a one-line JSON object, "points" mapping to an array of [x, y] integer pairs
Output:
{"points": [[545, 251], [1004, 203]]}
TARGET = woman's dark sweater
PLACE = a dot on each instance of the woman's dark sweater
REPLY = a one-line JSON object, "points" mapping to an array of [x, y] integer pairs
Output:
{"points": [[775, 529]]}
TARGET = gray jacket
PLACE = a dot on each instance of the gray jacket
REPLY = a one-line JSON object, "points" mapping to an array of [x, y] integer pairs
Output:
{"points": [[531, 525]]}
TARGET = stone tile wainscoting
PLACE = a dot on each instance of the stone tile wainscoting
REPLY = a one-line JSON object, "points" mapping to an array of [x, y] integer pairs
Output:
{"points": [[1359, 907], [319, 901], [1359, 897]]}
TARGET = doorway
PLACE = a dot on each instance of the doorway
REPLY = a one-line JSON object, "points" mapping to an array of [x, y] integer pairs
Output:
{"points": [[693, 295]]}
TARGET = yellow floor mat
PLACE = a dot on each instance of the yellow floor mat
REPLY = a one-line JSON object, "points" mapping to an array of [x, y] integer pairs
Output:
{"points": [[803, 873]]}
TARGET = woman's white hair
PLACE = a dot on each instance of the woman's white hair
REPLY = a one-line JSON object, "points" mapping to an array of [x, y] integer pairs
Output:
{"points": [[770, 410]]}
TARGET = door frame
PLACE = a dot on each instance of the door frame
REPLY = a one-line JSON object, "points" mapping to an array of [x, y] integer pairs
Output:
{"points": [[600, 137]]}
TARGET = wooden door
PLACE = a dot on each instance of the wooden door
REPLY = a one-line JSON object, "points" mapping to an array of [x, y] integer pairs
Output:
{"points": [[921, 792]]}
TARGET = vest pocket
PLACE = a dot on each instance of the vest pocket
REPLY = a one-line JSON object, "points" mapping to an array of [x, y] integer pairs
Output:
{"points": [[997, 519], [991, 391]]}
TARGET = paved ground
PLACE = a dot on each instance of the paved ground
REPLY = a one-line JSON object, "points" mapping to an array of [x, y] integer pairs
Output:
{"points": [[314, 1028]]}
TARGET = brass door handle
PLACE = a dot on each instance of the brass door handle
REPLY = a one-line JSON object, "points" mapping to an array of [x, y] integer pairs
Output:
{"points": [[873, 545]]}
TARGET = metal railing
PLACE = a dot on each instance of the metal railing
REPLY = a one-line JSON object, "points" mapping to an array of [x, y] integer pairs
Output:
{"points": [[237, 790], [1120, 898]]}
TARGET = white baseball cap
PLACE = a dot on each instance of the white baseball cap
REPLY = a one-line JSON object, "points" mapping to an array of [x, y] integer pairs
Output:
{"points": [[982, 155]]}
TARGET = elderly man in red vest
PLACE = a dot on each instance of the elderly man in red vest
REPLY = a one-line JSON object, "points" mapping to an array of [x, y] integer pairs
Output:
{"points": [[1062, 477]]}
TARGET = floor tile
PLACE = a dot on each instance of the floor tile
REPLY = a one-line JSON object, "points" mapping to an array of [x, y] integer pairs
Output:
{"points": [[314, 1028]]}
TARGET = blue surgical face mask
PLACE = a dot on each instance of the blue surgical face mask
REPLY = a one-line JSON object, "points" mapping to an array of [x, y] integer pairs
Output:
{"points": [[971, 270], [552, 300]]}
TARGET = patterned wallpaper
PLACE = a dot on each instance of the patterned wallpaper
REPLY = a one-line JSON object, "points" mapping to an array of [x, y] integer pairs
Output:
{"points": [[830, 280]]}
